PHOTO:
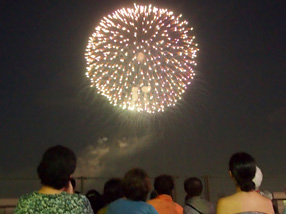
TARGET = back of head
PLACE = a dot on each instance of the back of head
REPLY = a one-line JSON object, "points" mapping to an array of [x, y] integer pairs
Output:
{"points": [[164, 184], [193, 187], [243, 167], [136, 184], [56, 166], [113, 190], [95, 200]]}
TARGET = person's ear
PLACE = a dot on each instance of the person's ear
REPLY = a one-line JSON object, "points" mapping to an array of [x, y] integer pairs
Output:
{"points": [[230, 174]]}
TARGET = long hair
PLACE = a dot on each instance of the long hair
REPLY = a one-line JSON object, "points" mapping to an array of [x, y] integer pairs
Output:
{"points": [[243, 167]]}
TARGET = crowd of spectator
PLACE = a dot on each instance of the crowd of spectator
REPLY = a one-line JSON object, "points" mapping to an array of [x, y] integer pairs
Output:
{"points": [[129, 195]]}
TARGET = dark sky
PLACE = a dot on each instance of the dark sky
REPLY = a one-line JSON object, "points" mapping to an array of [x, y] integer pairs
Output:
{"points": [[236, 103]]}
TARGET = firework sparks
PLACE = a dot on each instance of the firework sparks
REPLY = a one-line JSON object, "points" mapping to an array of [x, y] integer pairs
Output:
{"points": [[141, 58]]}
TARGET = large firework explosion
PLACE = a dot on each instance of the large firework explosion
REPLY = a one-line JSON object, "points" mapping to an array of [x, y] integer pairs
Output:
{"points": [[141, 58]]}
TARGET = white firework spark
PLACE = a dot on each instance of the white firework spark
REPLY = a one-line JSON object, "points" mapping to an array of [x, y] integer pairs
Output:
{"points": [[141, 58]]}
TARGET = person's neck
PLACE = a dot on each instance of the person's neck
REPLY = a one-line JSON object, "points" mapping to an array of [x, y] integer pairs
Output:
{"points": [[238, 189], [50, 190]]}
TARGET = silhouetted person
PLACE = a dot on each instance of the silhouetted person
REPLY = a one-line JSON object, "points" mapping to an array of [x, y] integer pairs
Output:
{"points": [[163, 203], [242, 169], [194, 203], [136, 186], [56, 194], [112, 191], [95, 199]]}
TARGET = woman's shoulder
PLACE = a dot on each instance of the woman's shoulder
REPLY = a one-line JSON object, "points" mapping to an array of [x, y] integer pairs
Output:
{"points": [[228, 204], [35, 197], [243, 196], [229, 198], [76, 196], [251, 200], [126, 204], [28, 197], [148, 207]]}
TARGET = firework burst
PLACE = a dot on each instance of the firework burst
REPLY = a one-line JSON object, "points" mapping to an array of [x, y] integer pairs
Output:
{"points": [[141, 58]]}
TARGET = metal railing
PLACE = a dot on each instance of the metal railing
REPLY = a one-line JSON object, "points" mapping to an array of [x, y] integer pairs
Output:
{"points": [[215, 187]]}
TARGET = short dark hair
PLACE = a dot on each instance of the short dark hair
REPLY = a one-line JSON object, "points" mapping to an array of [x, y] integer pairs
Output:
{"points": [[95, 200], [243, 167], [56, 166], [113, 190], [136, 185], [164, 184], [193, 186]]}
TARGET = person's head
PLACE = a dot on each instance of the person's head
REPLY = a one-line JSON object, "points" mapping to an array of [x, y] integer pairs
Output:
{"points": [[193, 187], [113, 190], [136, 185], [242, 168], [56, 167], [164, 184], [257, 178], [95, 200]]}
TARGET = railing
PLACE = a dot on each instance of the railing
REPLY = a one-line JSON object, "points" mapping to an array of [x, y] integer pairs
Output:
{"points": [[7, 209], [215, 187], [7, 205]]}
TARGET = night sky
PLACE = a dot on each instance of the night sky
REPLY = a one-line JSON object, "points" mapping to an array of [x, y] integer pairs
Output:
{"points": [[236, 102]]}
